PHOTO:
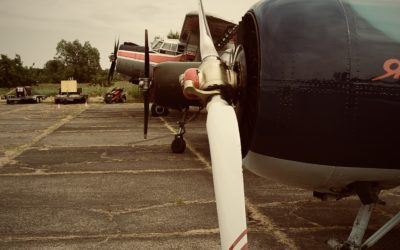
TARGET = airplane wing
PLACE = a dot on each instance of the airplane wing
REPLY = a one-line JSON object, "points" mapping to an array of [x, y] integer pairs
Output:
{"points": [[222, 31]]}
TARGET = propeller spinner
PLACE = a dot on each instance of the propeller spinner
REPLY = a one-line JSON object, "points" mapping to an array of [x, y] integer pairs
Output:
{"points": [[210, 83]]}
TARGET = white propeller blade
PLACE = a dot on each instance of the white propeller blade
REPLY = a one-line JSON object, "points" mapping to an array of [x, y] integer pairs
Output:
{"points": [[206, 43], [225, 148], [224, 140]]}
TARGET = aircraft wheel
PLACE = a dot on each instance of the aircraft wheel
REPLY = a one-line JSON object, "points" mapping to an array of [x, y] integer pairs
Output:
{"points": [[157, 110], [178, 145], [153, 110]]}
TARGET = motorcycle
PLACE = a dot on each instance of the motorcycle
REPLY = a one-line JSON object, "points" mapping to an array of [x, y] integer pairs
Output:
{"points": [[116, 95]]}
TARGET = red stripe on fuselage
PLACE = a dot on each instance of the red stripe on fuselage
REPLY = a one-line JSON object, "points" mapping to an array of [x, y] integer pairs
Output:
{"points": [[154, 58]]}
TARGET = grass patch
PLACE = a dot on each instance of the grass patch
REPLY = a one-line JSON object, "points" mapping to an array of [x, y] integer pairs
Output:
{"points": [[51, 89]]}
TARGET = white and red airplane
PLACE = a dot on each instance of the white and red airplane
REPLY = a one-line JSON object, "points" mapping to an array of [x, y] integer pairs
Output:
{"points": [[128, 58]]}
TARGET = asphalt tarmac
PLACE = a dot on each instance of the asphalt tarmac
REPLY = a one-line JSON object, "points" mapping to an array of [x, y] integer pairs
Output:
{"points": [[83, 177]]}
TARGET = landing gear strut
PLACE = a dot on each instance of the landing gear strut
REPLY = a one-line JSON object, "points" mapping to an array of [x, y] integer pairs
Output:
{"points": [[178, 145], [354, 242]]}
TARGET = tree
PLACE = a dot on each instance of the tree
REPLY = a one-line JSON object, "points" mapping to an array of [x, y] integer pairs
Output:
{"points": [[101, 78], [173, 35], [13, 73], [54, 71], [82, 62]]}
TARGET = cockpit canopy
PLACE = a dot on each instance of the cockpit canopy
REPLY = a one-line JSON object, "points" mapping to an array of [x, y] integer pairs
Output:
{"points": [[167, 46]]}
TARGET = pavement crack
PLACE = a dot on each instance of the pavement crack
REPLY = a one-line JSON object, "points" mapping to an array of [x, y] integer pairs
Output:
{"points": [[269, 226], [110, 216], [190, 233], [105, 156], [317, 229], [286, 203], [298, 206], [294, 207], [28, 168], [111, 213], [165, 205], [108, 213], [104, 241], [43, 172]]}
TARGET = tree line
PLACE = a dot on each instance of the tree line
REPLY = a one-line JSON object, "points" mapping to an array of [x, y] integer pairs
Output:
{"points": [[72, 60]]}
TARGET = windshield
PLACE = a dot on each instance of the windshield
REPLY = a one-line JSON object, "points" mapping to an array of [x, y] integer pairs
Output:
{"points": [[157, 45]]}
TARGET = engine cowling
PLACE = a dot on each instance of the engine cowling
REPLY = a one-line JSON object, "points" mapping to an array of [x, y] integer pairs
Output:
{"points": [[315, 90]]}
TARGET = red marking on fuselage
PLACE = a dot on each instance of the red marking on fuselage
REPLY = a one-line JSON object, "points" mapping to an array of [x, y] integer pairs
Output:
{"points": [[387, 66], [154, 58]]}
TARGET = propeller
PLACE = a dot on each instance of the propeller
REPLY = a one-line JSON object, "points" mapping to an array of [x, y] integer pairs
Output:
{"points": [[206, 43], [113, 59], [146, 83], [209, 83], [226, 159]]}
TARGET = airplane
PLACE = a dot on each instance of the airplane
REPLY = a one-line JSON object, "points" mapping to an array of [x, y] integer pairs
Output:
{"points": [[128, 59], [311, 98]]}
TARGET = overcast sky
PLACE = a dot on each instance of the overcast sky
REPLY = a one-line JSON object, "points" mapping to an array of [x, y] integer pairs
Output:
{"points": [[32, 28]]}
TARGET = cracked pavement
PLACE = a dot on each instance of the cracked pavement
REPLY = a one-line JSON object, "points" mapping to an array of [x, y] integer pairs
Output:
{"points": [[79, 177]]}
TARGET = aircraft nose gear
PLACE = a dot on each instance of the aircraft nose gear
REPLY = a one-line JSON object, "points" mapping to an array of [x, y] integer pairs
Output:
{"points": [[354, 242], [178, 145]]}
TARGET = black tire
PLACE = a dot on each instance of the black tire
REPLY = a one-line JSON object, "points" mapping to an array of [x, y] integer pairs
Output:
{"points": [[108, 99], [178, 145], [153, 110], [157, 110], [120, 99]]}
